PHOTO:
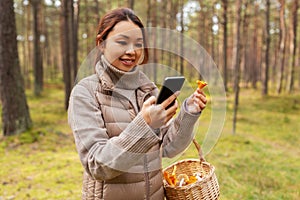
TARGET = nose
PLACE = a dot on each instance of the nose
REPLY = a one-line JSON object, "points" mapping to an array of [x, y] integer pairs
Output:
{"points": [[130, 49]]}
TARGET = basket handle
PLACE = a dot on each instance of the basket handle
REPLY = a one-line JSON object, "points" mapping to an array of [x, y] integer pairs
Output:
{"points": [[200, 153]]}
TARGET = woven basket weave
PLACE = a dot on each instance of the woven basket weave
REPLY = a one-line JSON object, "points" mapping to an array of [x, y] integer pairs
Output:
{"points": [[206, 189]]}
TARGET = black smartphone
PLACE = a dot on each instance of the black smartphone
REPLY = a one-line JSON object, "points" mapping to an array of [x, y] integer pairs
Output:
{"points": [[170, 85]]}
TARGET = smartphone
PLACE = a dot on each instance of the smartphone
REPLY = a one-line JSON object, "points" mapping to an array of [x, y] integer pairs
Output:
{"points": [[170, 85]]}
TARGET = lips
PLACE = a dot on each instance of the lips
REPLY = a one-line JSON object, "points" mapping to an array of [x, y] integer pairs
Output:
{"points": [[127, 62]]}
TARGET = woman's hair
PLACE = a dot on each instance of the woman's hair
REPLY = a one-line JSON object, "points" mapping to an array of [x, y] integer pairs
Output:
{"points": [[115, 16]]}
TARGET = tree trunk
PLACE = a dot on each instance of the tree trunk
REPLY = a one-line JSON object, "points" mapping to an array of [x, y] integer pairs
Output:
{"points": [[46, 47], [293, 46], [163, 33], [255, 51], [266, 48], [148, 22], [202, 18], [75, 37], [237, 60], [72, 48], [108, 5], [15, 111], [181, 38], [245, 42], [171, 26], [154, 38], [282, 46], [211, 34], [65, 30], [130, 4], [24, 59], [224, 3], [28, 48], [97, 11], [86, 26], [37, 60]]}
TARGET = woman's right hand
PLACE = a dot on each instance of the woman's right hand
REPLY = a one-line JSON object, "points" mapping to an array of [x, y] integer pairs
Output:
{"points": [[156, 115]]}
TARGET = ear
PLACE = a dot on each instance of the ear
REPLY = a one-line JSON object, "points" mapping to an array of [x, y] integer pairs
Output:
{"points": [[101, 45], [100, 41]]}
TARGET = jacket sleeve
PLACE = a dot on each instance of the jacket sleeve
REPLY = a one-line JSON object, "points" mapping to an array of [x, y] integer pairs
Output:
{"points": [[102, 157], [178, 133]]}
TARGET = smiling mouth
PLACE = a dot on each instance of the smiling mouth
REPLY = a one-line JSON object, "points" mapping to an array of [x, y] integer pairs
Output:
{"points": [[127, 62]]}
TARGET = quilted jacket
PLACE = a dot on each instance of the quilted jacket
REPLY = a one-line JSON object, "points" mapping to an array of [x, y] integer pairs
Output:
{"points": [[120, 153]]}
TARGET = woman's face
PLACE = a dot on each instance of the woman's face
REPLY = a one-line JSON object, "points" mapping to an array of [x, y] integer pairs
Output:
{"points": [[124, 45]]}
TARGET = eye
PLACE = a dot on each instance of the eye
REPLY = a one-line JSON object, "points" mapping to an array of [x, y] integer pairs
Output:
{"points": [[139, 45], [122, 42]]}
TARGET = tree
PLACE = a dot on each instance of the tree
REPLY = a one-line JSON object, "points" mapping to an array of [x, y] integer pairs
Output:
{"points": [[282, 46], [75, 27], [173, 6], [255, 53], [28, 63], [267, 48], [181, 36], [225, 3], [293, 46], [130, 4], [154, 38], [86, 25], [38, 61], [69, 46], [15, 111], [237, 60], [245, 34], [163, 24]]}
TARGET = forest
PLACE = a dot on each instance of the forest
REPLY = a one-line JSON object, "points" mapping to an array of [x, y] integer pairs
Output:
{"points": [[249, 49], [252, 43]]}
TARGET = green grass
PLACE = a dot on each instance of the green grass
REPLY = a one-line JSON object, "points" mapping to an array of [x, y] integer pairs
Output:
{"points": [[259, 162], [41, 163]]}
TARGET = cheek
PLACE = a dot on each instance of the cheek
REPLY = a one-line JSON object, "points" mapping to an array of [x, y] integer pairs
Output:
{"points": [[139, 53], [112, 52]]}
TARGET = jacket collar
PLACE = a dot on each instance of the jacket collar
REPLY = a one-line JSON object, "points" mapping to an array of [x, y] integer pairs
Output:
{"points": [[114, 79]]}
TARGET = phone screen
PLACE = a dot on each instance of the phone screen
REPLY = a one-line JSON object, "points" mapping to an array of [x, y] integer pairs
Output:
{"points": [[169, 87]]}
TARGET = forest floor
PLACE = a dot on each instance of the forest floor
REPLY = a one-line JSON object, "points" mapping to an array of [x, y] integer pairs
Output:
{"points": [[260, 161]]}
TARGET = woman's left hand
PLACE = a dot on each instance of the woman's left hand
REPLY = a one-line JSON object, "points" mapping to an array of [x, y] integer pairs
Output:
{"points": [[196, 102]]}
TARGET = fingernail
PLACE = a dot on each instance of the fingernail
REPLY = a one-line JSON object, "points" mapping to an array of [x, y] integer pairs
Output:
{"points": [[177, 93]]}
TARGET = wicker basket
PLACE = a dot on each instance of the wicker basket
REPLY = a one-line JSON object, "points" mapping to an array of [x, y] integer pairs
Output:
{"points": [[206, 189]]}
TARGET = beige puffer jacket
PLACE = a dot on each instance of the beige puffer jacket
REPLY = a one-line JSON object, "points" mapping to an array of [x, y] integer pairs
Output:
{"points": [[120, 153]]}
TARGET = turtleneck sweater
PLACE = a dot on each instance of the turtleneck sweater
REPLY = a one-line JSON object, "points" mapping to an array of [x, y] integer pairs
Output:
{"points": [[121, 79]]}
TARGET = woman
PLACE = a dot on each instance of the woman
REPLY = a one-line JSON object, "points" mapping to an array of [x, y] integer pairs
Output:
{"points": [[120, 133]]}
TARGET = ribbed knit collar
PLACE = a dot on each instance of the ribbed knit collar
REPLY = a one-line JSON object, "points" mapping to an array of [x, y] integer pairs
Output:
{"points": [[117, 78]]}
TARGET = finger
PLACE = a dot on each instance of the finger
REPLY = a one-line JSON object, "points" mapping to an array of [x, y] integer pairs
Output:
{"points": [[169, 100], [173, 108], [170, 112], [150, 101], [201, 97], [202, 105], [167, 119], [199, 91]]}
